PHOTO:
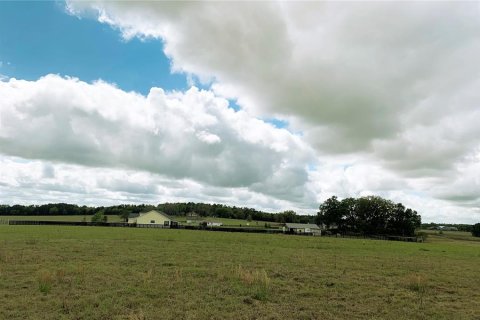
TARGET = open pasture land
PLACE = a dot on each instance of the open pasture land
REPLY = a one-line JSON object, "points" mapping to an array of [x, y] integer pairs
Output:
{"points": [[53, 272], [449, 236]]}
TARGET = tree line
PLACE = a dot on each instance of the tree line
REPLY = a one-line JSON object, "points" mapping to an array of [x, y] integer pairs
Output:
{"points": [[436, 226], [370, 215], [366, 215], [173, 209]]}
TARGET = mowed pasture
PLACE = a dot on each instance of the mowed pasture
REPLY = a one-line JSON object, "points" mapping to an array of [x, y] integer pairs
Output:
{"points": [[53, 272], [448, 236]]}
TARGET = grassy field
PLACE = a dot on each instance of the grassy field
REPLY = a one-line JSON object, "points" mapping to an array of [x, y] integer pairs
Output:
{"points": [[52, 272], [448, 236]]}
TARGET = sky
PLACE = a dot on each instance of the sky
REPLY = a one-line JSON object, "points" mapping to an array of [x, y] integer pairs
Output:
{"points": [[271, 105]]}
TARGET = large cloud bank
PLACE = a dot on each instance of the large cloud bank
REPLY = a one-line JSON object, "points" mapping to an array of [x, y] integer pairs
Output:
{"points": [[191, 135]]}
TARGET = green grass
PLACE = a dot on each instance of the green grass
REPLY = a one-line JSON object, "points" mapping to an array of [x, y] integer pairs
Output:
{"points": [[52, 272], [448, 236]]}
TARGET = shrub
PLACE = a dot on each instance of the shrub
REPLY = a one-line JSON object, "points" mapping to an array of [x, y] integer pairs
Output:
{"points": [[99, 217], [476, 230], [422, 234]]}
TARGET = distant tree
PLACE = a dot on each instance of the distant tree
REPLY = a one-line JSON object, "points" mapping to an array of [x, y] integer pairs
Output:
{"points": [[289, 216], [373, 213], [476, 230], [348, 212], [368, 215], [124, 215], [53, 211], [99, 216], [330, 213], [223, 212]]}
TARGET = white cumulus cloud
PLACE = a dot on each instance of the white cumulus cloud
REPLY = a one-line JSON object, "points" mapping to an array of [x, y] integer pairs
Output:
{"points": [[193, 135]]}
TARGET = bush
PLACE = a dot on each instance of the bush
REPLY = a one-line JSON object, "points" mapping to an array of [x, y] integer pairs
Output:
{"points": [[422, 234], [99, 217], [476, 230]]}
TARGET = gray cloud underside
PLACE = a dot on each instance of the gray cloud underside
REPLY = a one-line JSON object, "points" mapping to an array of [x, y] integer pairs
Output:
{"points": [[24, 182]]}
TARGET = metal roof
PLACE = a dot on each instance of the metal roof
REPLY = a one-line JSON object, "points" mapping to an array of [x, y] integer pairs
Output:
{"points": [[136, 215]]}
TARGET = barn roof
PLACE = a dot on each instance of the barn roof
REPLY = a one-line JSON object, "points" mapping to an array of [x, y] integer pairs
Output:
{"points": [[136, 215]]}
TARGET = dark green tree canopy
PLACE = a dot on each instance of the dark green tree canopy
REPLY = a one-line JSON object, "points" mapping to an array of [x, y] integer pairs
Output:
{"points": [[368, 215], [476, 230]]}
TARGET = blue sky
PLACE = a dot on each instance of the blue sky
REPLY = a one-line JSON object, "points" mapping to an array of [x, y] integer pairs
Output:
{"points": [[38, 38], [46, 39]]}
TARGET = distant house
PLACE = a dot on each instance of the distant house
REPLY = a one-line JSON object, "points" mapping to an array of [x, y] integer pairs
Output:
{"points": [[192, 214], [331, 226], [153, 218], [302, 228], [447, 228], [214, 224]]}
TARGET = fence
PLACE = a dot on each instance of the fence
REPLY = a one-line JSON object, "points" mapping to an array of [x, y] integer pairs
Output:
{"points": [[158, 226], [233, 229], [375, 237], [222, 229], [132, 225], [68, 223]]}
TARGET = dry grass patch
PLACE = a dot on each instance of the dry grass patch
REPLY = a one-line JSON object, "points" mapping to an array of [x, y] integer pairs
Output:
{"points": [[416, 283], [45, 281], [136, 315], [257, 280]]}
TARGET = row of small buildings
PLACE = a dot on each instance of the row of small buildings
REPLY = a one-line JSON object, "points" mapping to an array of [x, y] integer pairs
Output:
{"points": [[155, 218]]}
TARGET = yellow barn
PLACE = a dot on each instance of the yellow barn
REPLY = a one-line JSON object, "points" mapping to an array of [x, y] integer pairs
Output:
{"points": [[152, 217]]}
